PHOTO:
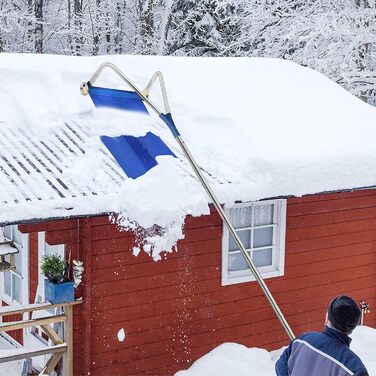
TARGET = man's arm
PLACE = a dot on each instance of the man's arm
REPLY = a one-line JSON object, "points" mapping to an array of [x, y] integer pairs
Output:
{"points": [[361, 372], [281, 367]]}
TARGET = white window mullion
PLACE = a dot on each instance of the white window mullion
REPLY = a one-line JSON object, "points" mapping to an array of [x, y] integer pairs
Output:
{"points": [[11, 300], [25, 276], [41, 252], [25, 268]]}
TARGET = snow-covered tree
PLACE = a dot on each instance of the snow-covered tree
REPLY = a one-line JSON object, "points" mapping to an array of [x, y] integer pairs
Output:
{"points": [[335, 37], [205, 28]]}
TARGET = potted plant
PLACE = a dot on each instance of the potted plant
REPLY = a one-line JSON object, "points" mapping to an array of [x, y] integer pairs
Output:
{"points": [[58, 288]]}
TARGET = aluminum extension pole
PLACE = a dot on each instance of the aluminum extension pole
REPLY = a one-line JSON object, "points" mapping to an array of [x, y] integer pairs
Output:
{"points": [[209, 191], [235, 236]]}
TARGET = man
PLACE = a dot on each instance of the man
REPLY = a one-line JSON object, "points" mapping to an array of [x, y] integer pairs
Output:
{"points": [[326, 353]]}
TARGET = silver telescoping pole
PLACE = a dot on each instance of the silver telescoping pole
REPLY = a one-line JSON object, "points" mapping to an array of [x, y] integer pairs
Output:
{"points": [[144, 95], [235, 236]]}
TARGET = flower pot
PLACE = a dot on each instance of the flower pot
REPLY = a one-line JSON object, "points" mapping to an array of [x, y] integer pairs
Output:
{"points": [[59, 292]]}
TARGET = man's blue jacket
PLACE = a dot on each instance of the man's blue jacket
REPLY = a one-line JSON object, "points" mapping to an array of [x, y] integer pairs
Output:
{"points": [[320, 354]]}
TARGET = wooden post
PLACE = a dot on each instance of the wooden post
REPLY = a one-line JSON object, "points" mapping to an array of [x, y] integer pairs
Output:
{"points": [[51, 364], [69, 341], [52, 335]]}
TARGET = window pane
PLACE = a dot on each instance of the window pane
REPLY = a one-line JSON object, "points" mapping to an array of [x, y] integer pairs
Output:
{"points": [[263, 214], [17, 286], [52, 250], [18, 262], [7, 282], [2, 235], [263, 257], [7, 231], [244, 236], [263, 237], [17, 235], [236, 262], [241, 217]]}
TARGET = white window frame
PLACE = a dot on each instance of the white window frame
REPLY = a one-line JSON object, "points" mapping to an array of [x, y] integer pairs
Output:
{"points": [[42, 245], [24, 277], [277, 269]]}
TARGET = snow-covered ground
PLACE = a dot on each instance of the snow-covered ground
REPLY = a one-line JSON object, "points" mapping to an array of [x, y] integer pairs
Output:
{"points": [[232, 359], [259, 127]]}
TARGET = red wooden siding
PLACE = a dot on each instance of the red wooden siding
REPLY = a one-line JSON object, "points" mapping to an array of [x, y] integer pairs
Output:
{"points": [[33, 272], [175, 310], [331, 249]]}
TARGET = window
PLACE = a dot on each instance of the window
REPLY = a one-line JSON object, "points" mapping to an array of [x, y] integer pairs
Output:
{"points": [[13, 280], [261, 228]]}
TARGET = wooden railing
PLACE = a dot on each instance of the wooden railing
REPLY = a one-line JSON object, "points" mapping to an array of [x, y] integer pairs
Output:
{"points": [[62, 347]]}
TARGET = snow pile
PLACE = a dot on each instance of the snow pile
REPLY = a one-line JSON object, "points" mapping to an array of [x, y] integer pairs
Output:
{"points": [[364, 344], [237, 360], [154, 205], [232, 359], [259, 128]]}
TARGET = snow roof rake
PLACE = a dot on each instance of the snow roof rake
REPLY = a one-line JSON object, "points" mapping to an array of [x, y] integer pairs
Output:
{"points": [[135, 101]]}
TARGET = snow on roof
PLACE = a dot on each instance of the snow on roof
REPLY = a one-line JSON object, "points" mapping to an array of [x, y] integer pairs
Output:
{"points": [[7, 249], [259, 128]]}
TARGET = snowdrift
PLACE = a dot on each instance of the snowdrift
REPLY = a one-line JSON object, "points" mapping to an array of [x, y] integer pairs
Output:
{"points": [[237, 360]]}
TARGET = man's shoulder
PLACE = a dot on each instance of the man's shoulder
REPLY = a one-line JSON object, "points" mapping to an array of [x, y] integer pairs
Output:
{"points": [[336, 350], [310, 336], [317, 341], [355, 363]]}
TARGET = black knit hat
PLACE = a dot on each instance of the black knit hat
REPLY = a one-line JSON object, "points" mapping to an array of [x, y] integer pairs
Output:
{"points": [[344, 313]]}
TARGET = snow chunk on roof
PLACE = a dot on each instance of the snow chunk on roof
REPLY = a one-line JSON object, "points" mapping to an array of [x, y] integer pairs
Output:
{"points": [[258, 127]]}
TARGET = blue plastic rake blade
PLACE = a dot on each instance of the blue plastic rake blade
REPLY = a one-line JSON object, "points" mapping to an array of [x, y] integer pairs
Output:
{"points": [[136, 155], [118, 99]]}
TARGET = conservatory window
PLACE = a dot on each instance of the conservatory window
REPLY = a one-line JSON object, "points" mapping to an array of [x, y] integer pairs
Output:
{"points": [[13, 280], [261, 228]]}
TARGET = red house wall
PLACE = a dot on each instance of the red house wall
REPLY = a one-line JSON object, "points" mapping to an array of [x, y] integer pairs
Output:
{"points": [[175, 310], [33, 260]]}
